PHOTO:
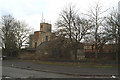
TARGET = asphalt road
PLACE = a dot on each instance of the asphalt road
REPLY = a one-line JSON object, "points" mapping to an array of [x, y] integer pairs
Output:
{"points": [[53, 71], [22, 73]]}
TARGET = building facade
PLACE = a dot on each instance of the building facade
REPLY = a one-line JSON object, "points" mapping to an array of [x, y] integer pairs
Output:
{"points": [[44, 34]]}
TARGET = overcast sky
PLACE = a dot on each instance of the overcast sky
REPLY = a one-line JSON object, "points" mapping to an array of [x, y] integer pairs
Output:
{"points": [[31, 11]]}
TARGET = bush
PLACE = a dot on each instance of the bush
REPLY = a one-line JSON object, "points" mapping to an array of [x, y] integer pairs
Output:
{"points": [[29, 56]]}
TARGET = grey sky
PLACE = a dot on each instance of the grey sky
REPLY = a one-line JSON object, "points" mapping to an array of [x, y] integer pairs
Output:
{"points": [[31, 11]]}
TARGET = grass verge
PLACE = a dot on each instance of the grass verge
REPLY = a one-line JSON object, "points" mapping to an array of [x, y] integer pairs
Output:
{"points": [[72, 64]]}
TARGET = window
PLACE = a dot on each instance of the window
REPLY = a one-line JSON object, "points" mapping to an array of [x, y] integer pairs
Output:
{"points": [[48, 30], [41, 26], [35, 44], [46, 38]]}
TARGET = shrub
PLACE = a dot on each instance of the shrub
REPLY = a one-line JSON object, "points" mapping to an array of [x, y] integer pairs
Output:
{"points": [[29, 56]]}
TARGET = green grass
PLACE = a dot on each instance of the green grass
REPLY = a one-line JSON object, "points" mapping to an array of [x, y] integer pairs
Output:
{"points": [[105, 66], [71, 64]]}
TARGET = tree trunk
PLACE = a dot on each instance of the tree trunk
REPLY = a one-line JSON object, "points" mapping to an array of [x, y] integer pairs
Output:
{"points": [[96, 51], [116, 50], [119, 45]]}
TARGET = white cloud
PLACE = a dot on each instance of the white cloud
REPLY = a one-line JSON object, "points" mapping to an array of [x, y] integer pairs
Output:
{"points": [[31, 10]]}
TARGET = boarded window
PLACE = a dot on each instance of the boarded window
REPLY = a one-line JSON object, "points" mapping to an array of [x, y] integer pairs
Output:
{"points": [[46, 38], [41, 26], [35, 44]]}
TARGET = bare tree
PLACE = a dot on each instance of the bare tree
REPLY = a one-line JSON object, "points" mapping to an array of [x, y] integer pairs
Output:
{"points": [[97, 17], [65, 22], [14, 34], [112, 28], [112, 25], [119, 37], [81, 28], [22, 33], [72, 26], [8, 36], [0, 37], [60, 50]]}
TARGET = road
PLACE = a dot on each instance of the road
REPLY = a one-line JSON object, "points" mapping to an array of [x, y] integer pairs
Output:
{"points": [[52, 71], [22, 73]]}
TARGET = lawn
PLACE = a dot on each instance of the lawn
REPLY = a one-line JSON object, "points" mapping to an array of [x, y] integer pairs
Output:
{"points": [[74, 64], [78, 64]]}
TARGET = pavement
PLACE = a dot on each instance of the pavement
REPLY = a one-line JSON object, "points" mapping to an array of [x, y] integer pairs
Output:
{"points": [[73, 71], [11, 72]]}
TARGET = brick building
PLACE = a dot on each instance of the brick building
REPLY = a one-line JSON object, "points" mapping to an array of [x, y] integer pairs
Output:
{"points": [[108, 51], [41, 36]]}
